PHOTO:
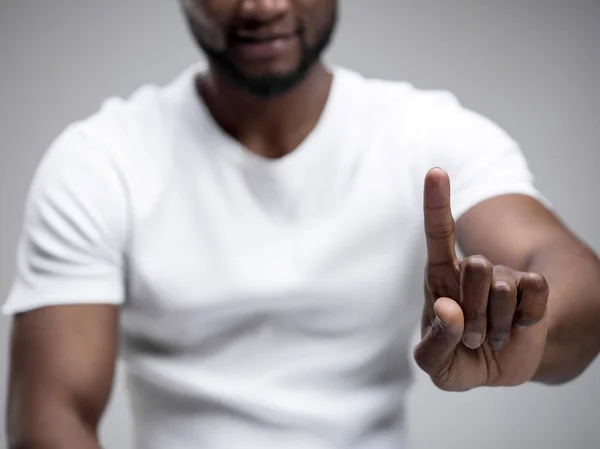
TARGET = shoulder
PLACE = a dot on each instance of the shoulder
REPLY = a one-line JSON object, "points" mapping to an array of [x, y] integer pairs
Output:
{"points": [[431, 122], [417, 129], [143, 115], [398, 97], [401, 102], [123, 132], [101, 158]]}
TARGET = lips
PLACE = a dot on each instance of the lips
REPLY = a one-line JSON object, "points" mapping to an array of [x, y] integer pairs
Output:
{"points": [[256, 37], [264, 46]]}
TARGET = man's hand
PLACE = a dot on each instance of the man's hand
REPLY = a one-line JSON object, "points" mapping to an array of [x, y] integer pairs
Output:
{"points": [[483, 325]]}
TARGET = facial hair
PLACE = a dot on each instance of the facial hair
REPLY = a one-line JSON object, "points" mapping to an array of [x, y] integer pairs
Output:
{"points": [[268, 86]]}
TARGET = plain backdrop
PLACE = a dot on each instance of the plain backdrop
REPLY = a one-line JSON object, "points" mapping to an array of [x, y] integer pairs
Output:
{"points": [[533, 66]]}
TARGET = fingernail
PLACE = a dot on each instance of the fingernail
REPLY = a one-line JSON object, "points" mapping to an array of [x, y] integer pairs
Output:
{"points": [[496, 345], [472, 339], [497, 340]]}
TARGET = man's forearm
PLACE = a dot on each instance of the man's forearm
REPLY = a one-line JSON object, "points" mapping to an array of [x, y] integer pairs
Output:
{"points": [[573, 311]]}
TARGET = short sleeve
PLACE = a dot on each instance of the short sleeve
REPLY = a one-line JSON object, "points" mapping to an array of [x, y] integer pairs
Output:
{"points": [[482, 160], [74, 230]]}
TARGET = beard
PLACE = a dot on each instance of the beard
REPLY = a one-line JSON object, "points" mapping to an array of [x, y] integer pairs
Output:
{"points": [[268, 86]]}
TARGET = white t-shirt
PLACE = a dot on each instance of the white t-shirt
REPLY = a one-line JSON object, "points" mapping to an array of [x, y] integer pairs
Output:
{"points": [[265, 303]]}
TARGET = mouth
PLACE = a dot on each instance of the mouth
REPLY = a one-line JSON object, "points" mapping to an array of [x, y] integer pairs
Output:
{"points": [[258, 36], [263, 46]]}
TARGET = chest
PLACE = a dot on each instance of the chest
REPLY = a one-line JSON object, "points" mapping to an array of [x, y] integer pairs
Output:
{"points": [[209, 259]]}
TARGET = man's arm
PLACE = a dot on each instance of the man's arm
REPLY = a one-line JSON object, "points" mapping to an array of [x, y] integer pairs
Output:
{"points": [[518, 232], [61, 373]]}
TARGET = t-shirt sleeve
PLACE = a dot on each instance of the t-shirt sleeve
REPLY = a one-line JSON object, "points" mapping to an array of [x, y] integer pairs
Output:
{"points": [[482, 160], [71, 246]]}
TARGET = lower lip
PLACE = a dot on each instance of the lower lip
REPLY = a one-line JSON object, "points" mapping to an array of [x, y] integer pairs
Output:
{"points": [[265, 49]]}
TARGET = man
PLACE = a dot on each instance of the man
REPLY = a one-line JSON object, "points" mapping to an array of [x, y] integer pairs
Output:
{"points": [[251, 238]]}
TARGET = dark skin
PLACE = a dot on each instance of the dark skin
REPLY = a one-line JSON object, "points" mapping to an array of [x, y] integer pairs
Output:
{"points": [[523, 306], [61, 375], [271, 127], [528, 285]]}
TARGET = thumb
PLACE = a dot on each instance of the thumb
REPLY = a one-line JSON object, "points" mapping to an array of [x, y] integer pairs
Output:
{"points": [[435, 353]]}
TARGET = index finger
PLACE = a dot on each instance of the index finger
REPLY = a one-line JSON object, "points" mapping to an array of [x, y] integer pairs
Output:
{"points": [[439, 223]]}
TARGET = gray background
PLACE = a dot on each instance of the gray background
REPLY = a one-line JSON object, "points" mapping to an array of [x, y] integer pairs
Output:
{"points": [[533, 66]]}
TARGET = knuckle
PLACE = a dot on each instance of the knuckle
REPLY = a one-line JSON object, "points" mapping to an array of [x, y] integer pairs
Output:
{"points": [[503, 290], [536, 282], [502, 270], [478, 264]]}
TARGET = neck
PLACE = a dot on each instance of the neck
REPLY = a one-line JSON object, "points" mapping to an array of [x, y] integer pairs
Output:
{"points": [[270, 127]]}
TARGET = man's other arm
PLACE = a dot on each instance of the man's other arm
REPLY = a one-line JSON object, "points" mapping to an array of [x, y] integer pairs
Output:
{"points": [[62, 365]]}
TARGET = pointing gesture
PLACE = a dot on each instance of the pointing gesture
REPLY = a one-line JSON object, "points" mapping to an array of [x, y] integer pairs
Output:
{"points": [[483, 325]]}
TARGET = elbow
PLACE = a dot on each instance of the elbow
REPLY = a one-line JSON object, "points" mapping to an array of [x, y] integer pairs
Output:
{"points": [[52, 442], [56, 432], [32, 441], [59, 439]]}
